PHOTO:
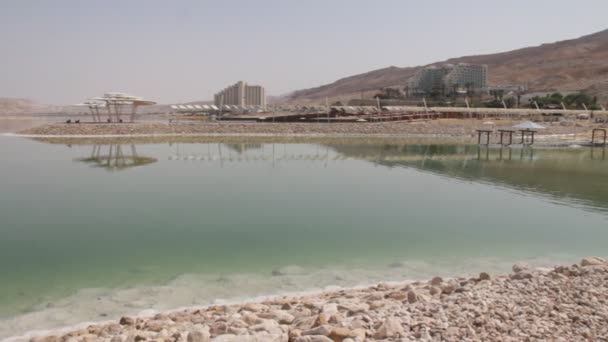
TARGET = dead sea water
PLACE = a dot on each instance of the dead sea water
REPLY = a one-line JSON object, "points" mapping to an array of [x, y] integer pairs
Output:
{"points": [[91, 232]]}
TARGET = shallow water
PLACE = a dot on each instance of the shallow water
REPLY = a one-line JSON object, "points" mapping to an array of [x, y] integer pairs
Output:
{"points": [[90, 232]]}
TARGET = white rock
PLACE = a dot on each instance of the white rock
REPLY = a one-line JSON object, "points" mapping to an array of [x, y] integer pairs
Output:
{"points": [[330, 309]]}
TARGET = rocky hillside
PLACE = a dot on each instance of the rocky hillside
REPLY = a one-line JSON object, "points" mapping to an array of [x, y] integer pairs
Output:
{"points": [[570, 65], [18, 105]]}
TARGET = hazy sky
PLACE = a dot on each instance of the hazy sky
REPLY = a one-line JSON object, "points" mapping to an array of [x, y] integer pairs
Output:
{"points": [[63, 51]]}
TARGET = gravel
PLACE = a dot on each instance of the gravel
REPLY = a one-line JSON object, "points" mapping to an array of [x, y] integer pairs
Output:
{"points": [[568, 303]]}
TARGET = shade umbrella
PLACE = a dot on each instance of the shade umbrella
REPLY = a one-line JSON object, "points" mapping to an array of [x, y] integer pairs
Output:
{"points": [[529, 125]]}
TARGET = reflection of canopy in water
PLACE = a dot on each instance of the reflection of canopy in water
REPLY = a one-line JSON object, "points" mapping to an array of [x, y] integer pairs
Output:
{"points": [[115, 159]]}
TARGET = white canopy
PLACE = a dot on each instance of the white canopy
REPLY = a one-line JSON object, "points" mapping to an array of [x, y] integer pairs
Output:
{"points": [[528, 125]]}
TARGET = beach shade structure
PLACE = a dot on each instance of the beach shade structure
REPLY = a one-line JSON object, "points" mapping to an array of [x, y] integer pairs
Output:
{"points": [[528, 125], [528, 129], [93, 108], [120, 102]]}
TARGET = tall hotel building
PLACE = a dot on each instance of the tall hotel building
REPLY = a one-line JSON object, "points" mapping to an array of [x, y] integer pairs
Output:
{"points": [[449, 77], [241, 94]]}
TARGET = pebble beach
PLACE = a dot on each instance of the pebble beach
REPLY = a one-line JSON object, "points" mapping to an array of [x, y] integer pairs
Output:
{"points": [[566, 303], [446, 128]]}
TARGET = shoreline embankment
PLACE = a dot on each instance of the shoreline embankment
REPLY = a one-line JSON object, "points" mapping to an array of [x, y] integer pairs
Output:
{"points": [[443, 130]]}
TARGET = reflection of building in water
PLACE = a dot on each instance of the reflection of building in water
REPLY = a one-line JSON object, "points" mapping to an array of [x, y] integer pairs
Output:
{"points": [[241, 148], [114, 157]]}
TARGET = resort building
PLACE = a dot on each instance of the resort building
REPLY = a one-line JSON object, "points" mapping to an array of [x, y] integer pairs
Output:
{"points": [[241, 94], [428, 80], [472, 77], [449, 78]]}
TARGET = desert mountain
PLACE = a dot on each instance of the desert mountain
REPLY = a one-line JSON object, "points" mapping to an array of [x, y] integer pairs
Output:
{"points": [[9, 105], [569, 65]]}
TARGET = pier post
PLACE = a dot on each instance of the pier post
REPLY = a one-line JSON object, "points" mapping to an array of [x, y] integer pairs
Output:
{"points": [[598, 130], [506, 131], [487, 133], [524, 134]]}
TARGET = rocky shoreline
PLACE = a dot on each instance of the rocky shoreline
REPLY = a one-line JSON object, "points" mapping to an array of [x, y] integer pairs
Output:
{"points": [[567, 303], [447, 128]]}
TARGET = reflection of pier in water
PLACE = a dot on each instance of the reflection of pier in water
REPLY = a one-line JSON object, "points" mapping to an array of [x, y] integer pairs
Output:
{"points": [[572, 173], [220, 153], [576, 174], [114, 158]]}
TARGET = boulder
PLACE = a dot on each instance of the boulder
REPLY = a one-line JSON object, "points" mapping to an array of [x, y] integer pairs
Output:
{"points": [[330, 309], [254, 307], [412, 297], [127, 321], [280, 316], [390, 328], [397, 295], [339, 334], [218, 328], [199, 335], [436, 281], [448, 289], [484, 276], [354, 308], [155, 326], [521, 275], [592, 261], [324, 330], [313, 338], [293, 333], [259, 337], [520, 267]]}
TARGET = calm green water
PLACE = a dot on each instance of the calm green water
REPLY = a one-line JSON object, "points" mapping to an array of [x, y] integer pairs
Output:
{"points": [[169, 225]]}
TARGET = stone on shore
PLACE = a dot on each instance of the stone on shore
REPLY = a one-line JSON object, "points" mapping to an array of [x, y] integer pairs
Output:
{"points": [[390, 328], [520, 267], [199, 335], [593, 261], [315, 338], [567, 303]]}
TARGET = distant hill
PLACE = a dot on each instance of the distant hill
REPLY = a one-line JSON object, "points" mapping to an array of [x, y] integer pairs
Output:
{"points": [[10, 105], [569, 65]]}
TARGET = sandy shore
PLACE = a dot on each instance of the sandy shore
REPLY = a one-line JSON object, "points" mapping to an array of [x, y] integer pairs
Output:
{"points": [[567, 303], [446, 128]]}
